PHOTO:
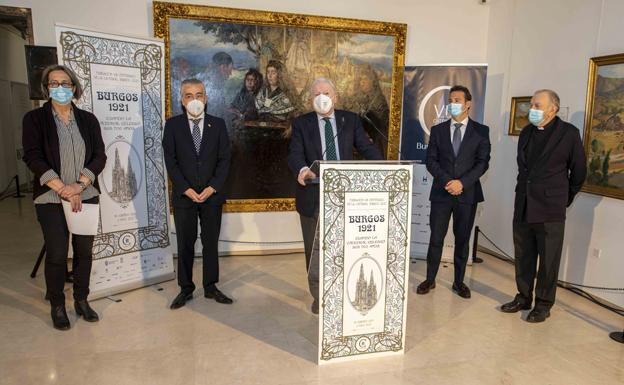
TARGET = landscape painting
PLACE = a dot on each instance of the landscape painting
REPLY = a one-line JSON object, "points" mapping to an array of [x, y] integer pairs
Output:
{"points": [[604, 127]]}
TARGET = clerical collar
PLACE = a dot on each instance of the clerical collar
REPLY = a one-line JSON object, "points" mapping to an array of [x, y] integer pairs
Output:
{"points": [[549, 125]]}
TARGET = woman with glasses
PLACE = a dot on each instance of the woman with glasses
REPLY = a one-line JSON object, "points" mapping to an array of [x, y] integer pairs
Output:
{"points": [[63, 147]]}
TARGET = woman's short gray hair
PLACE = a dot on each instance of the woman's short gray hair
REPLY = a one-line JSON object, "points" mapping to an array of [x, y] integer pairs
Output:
{"points": [[72, 76]]}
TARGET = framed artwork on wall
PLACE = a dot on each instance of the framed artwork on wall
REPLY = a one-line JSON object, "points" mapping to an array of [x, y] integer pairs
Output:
{"points": [[258, 67], [519, 114], [604, 127]]}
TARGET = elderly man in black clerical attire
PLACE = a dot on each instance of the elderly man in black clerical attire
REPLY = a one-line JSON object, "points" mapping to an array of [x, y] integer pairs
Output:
{"points": [[551, 171]]}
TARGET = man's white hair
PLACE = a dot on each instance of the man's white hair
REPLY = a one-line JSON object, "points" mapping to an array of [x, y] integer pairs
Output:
{"points": [[191, 81], [554, 98], [319, 81]]}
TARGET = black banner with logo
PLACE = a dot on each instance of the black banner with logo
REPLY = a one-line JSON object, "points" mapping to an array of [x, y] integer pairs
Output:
{"points": [[425, 102]]}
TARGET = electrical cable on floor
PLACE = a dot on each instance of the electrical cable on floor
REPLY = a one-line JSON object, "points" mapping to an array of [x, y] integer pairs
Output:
{"points": [[573, 287]]}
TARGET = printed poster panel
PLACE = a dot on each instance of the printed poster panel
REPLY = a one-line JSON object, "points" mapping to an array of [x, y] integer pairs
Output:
{"points": [[122, 78], [365, 219]]}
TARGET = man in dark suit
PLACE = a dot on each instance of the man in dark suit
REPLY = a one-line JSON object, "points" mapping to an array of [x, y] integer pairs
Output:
{"points": [[551, 171], [325, 134], [197, 156], [457, 155]]}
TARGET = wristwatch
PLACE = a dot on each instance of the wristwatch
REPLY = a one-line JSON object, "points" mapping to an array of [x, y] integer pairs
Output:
{"points": [[82, 185]]}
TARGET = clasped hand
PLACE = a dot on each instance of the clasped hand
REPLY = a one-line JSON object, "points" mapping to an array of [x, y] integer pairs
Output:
{"points": [[199, 198], [69, 190], [454, 187]]}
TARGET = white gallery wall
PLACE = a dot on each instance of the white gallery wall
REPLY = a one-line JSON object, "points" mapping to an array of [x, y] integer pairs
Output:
{"points": [[430, 40], [528, 44], [536, 44]]}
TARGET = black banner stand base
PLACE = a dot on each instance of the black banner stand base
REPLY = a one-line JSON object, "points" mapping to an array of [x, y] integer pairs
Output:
{"points": [[617, 336]]}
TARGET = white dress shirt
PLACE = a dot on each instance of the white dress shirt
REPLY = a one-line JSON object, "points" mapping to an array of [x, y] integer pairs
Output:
{"points": [[321, 125], [201, 124], [464, 124]]}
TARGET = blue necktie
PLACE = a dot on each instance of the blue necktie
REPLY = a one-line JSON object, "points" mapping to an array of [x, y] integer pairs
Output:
{"points": [[330, 143], [457, 138], [196, 134]]}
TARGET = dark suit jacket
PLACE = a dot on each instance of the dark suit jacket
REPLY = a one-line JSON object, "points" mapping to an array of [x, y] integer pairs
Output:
{"points": [[305, 148], [41, 144], [546, 189], [471, 162], [189, 170]]}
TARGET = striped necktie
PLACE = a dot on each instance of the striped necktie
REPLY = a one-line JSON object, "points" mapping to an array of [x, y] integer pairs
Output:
{"points": [[196, 134]]}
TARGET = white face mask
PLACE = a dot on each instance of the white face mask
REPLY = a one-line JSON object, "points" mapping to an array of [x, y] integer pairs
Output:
{"points": [[322, 104], [195, 107]]}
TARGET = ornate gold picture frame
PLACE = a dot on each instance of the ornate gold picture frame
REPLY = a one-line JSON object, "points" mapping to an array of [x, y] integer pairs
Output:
{"points": [[364, 59], [518, 114], [604, 127]]}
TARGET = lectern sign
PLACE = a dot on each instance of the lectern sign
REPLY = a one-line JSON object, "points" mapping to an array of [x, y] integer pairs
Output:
{"points": [[364, 227]]}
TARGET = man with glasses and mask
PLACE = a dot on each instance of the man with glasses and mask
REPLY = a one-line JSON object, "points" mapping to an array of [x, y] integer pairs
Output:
{"points": [[324, 134], [457, 156], [551, 171], [197, 156]]}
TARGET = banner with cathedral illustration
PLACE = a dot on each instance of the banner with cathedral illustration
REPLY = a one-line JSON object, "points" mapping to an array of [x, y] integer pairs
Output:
{"points": [[123, 84], [364, 239]]}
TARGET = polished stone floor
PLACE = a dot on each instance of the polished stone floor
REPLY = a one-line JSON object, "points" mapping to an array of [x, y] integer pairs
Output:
{"points": [[268, 336]]}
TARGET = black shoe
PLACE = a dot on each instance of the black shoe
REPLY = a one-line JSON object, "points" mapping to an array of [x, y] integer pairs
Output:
{"points": [[462, 290], [218, 296], [83, 309], [515, 306], [537, 316], [180, 300], [315, 307], [425, 286], [59, 318]]}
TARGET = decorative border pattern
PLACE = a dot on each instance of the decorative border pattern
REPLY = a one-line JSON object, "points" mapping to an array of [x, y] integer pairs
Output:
{"points": [[335, 184], [78, 53], [164, 11]]}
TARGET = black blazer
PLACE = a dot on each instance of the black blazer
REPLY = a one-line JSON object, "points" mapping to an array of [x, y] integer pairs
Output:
{"points": [[471, 162], [41, 144], [189, 170], [546, 189], [305, 148]]}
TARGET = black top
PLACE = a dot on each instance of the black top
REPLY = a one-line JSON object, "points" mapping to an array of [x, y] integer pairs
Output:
{"points": [[537, 140], [548, 184], [41, 144]]}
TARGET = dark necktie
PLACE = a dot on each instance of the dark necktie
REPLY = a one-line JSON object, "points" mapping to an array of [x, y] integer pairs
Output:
{"points": [[330, 143], [196, 134], [457, 138]]}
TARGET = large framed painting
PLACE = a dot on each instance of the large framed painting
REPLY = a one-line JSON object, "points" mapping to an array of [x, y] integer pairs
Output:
{"points": [[258, 67], [519, 114], [604, 126]]}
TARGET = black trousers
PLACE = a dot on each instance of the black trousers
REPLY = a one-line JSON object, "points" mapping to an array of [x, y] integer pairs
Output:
{"points": [[309, 230], [185, 219], [530, 241], [56, 238], [463, 220]]}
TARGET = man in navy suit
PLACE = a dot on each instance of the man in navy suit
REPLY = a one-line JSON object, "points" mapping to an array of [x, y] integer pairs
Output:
{"points": [[457, 155], [197, 155], [325, 134]]}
